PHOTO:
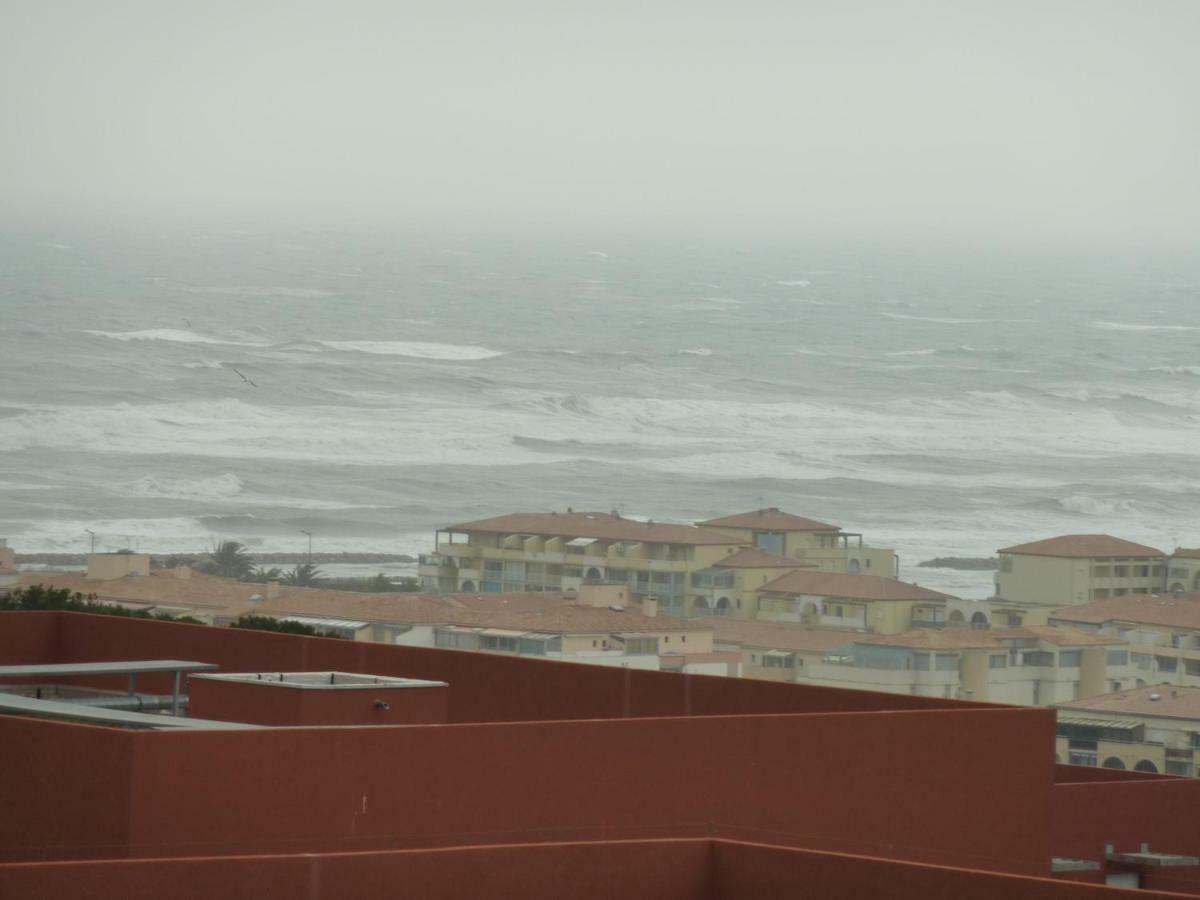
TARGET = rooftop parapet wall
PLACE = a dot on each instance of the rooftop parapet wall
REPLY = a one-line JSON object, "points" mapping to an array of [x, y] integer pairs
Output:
{"points": [[817, 780]]}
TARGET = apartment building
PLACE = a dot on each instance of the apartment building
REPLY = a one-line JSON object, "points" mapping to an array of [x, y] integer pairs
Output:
{"points": [[826, 547], [775, 651], [1155, 728], [1183, 571], [1077, 568], [1163, 631], [861, 602], [1034, 666], [560, 551]]}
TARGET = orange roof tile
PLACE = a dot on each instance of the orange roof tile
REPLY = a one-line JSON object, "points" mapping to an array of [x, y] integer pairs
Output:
{"points": [[1185, 553], [1059, 635], [850, 587], [770, 519], [1165, 610], [1172, 702], [750, 558], [1084, 546], [595, 525], [931, 639], [777, 635]]}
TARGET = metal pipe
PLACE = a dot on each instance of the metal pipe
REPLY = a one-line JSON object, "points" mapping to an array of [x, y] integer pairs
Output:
{"points": [[133, 701]]}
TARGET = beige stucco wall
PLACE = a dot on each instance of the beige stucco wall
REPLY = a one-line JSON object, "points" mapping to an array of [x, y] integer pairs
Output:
{"points": [[107, 566]]}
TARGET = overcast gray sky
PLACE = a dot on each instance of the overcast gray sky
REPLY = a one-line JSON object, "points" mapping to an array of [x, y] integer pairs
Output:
{"points": [[1046, 118]]}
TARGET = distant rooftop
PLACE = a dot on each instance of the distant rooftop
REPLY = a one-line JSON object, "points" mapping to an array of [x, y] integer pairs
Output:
{"points": [[1166, 700], [750, 558], [1167, 610], [777, 635], [1084, 546], [769, 519], [594, 525], [850, 587]]}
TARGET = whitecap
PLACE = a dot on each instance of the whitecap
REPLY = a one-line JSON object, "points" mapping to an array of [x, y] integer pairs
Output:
{"points": [[418, 349], [926, 352], [600, 254], [170, 335], [218, 487], [1133, 326], [697, 351], [1087, 505], [937, 320], [245, 290], [796, 282]]}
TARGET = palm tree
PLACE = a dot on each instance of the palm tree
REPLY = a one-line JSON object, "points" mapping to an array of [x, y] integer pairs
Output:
{"points": [[262, 575], [304, 575], [229, 559]]}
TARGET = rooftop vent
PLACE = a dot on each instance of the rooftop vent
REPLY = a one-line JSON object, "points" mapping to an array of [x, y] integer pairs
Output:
{"points": [[616, 608], [1156, 696]]}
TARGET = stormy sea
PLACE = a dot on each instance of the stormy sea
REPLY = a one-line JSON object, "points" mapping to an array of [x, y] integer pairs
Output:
{"points": [[166, 388]]}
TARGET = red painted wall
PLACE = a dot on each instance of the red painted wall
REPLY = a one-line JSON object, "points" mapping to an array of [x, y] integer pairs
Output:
{"points": [[654, 870], [273, 704], [749, 872], [866, 784]]}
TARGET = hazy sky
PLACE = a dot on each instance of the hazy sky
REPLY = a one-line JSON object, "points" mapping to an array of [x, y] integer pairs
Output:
{"points": [[1040, 118]]}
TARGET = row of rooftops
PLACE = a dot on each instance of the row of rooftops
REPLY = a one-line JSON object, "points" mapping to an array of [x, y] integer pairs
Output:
{"points": [[614, 527]]}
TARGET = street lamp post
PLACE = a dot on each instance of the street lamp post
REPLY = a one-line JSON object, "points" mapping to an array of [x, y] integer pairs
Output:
{"points": [[93, 534], [309, 533]]}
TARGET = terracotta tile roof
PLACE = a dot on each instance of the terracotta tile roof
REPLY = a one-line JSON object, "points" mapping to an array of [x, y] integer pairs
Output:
{"points": [[770, 519], [1164, 610], [750, 558], [595, 525], [1185, 553], [227, 598], [849, 587], [1059, 635], [1173, 702], [931, 639], [777, 635], [1083, 546]]}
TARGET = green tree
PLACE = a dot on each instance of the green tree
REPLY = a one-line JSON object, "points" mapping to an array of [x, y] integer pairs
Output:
{"points": [[41, 598], [229, 559], [304, 575], [262, 575], [266, 623]]}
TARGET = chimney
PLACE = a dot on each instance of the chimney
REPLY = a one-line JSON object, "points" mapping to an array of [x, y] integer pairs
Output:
{"points": [[272, 590], [650, 606]]}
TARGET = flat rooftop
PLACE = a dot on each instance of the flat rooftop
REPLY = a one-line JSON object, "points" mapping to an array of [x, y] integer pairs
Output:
{"points": [[323, 680]]}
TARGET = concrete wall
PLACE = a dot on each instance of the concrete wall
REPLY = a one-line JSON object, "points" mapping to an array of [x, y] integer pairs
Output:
{"points": [[107, 566]]}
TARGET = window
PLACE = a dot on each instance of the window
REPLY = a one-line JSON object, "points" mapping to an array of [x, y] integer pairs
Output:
{"points": [[998, 661], [1118, 658], [921, 661], [1141, 660], [1101, 571], [1069, 659], [1121, 571], [1167, 663], [1141, 571], [1141, 590], [945, 662], [1191, 666], [1037, 658]]}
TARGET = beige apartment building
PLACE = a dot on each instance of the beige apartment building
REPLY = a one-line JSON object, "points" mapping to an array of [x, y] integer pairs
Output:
{"points": [[1155, 728], [1077, 568], [1183, 571], [860, 602], [691, 569], [1163, 631], [1035, 666]]}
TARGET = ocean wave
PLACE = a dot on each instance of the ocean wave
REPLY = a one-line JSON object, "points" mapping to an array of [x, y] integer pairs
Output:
{"points": [[1133, 326], [246, 290], [1177, 370], [1088, 505], [417, 349], [696, 351], [937, 320], [156, 487], [170, 335], [924, 352], [795, 282]]}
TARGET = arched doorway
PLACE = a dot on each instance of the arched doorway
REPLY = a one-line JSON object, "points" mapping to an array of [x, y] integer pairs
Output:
{"points": [[700, 604], [1113, 763], [854, 567], [956, 619], [1145, 766], [593, 574], [468, 585], [809, 614], [979, 620], [722, 607]]}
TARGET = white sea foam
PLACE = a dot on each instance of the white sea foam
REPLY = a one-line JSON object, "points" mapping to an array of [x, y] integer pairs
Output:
{"points": [[795, 282], [697, 351], [248, 290], [218, 487], [598, 253], [171, 335], [924, 352], [418, 349], [1093, 506], [1177, 370], [1132, 326], [937, 320]]}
